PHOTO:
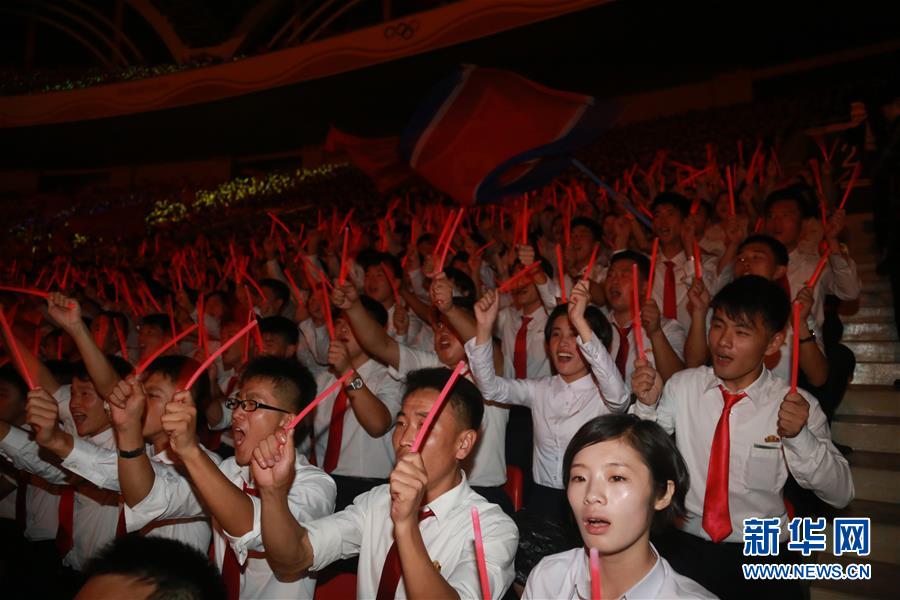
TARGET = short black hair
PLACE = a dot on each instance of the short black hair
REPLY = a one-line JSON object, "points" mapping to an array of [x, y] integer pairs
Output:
{"points": [[175, 569], [121, 366], [282, 326], [778, 249], [10, 375], [374, 309], [594, 317], [594, 227], [178, 369], [800, 194], [279, 288], [158, 320], [751, 296], [293, 382], [675, 200], [641, 260], [651, 442], [462, 282], [61, 370], [467, 401], [373, 258]]}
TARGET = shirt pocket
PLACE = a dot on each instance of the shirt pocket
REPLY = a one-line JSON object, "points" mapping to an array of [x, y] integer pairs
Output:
{"points": [[764, 467]]}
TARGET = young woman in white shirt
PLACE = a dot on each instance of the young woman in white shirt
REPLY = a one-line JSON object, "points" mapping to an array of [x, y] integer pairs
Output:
{"points": [[623, 475]]}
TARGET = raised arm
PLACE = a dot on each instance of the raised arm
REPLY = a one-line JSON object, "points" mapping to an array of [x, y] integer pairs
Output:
{"points": [[67, 314], [442, 297], [127, 403], [812, 361], [372, 414], [696, 348], [664, 356], [371, 336], [39, 373]]}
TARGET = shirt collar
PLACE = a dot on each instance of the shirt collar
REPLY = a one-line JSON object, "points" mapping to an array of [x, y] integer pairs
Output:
{"points": [[445, 504], [584, 383], [755, 391], [648, 587], [101, 438]]}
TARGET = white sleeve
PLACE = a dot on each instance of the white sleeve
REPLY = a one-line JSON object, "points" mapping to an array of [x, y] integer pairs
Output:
{"points": [[497, 389], [24, 454], [339, 535], [612, 387], [311, 497], [171, 497], [842, 278], [98, 465]]}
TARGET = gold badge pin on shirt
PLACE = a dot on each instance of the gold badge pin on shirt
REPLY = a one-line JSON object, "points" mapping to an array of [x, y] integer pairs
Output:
{"points": [[772, 438]]}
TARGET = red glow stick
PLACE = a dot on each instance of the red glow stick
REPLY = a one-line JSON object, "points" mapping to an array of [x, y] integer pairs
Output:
{"points": [[698, 267], [257, 336], [795, 356], [342, 275], [21, 290], [255, 285], [850, 184], [326, 311], [731, 210], [123, 346], [509, 282], [276, 220], [590, 265], [171, 313], [650, 278], [636, 313], [595, 574], [436, 407], [393, 284], [818, 272], [296, 420], [143, 366], [562, 273], [221, 350], [751, 168], [450, 234], [14, 350], [481, 250], [294, 289], [479, 556], [525, 220]]}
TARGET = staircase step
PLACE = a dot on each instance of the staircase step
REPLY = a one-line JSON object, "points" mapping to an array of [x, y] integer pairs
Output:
{"points": [[882, 284], [870, 314], [876, 478], [881, 352], [869, 331], [880, 512], [883, 545], [870, 400], [875, 298], [873, 434], [876, 373], [884, 583]]}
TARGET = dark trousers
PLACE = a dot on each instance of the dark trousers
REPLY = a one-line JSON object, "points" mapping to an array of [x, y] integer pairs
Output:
{"points": [[348, 488], [717, 567]]}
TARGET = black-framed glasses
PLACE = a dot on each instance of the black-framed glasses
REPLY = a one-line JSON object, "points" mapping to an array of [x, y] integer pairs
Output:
{"points": [[250, 405]]}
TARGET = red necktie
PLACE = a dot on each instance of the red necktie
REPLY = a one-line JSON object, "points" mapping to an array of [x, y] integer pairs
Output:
{"points": [[670, 307], [21, 499], [520, 358], [392, 570], [121, 529], [66, 528], [624, 347], [716, 518], [231, 568], [335, 432]]}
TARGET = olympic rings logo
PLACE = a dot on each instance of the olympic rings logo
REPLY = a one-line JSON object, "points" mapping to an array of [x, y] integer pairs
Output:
{"points": [[401, 29]]}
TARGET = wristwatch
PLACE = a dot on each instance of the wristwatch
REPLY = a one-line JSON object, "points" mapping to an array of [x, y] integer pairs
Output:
{"points": [[811, 338], [355, 384], [132, 453]]}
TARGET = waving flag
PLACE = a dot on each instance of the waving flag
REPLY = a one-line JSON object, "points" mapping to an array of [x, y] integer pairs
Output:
{"points": [[376, 157], [486, 133]]}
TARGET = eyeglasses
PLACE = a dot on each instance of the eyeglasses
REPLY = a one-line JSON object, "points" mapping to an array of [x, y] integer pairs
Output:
{"points": [[250, 405]]}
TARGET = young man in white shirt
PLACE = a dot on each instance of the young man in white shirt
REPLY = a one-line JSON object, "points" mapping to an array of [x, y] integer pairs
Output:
{"points": [[663, 338], [741, 432], [414, 535], [378, 268], [273, 390], [486, 466], [351, 424]]}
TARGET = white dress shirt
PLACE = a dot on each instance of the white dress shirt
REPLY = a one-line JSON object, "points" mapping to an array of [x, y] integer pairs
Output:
{"points": [[41, 500], [690, 406], [839, 277], [100, 467], [311, 497], [96, 511], [568, 575], [509, 320], [486, 465], [684, 277], [672, 329], [412, 333], [558, 409], [361, 454], [365, 529]]}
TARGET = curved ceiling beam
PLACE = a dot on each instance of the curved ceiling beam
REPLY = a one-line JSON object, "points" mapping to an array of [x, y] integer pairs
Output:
{"points": [[65, 29], [88, 26], [162, 27], [105, 20]]}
